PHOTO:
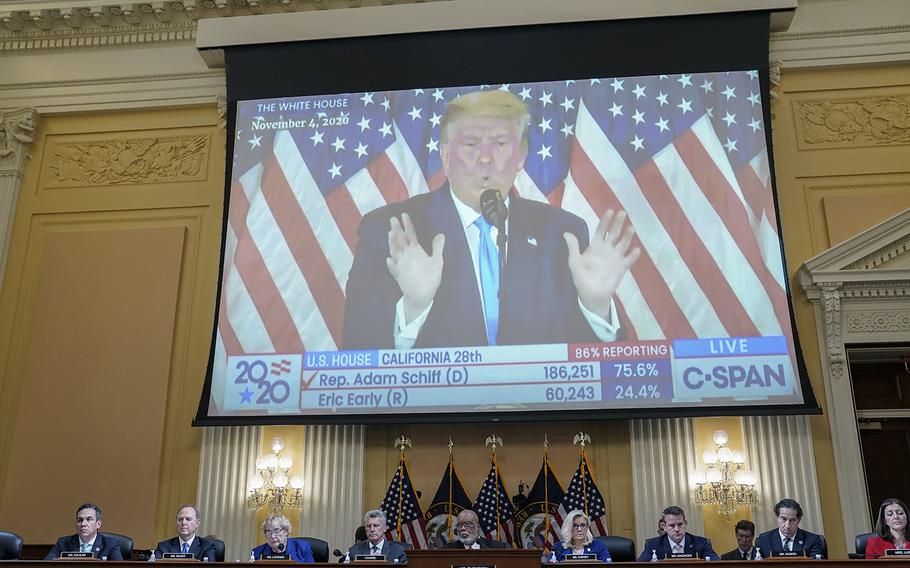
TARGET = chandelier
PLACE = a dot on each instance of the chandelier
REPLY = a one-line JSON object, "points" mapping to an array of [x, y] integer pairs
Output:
{"points": [[725, 482], [271, 487]]}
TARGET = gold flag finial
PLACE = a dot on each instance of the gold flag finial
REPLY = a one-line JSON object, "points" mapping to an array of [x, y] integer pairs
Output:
{"points": [[581, 438], [402, 442], [546, 442], [451, 445], [493, 440]]}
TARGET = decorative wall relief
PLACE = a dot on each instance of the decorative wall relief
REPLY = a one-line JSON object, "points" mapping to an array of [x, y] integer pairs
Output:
{"points": [[877, 322], [128, 161], [858, 121]]}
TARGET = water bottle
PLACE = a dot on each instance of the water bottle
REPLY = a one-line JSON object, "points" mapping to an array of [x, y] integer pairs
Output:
{"points": [[205, 558], [152, 556], [654, 556], [252, 556], [553, 557], [818, 556], [758, 553], [347, 557]]}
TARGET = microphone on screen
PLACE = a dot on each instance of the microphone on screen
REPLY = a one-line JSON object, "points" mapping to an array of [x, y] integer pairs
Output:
{"points": [[494, 210]]}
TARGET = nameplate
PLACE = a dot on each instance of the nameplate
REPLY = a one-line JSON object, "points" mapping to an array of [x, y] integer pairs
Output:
{"points": [[787, 554], [274, 557], [473, 566], [177, 556], [682, 555], [71, 555], [581, 557], [380, 557], [897, 552]]}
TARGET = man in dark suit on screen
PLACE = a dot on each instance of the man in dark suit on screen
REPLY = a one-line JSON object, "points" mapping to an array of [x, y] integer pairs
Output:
{"points": [[676, 540], [376, 543], [187, 541], [87, 537], [745, 535], [788, 537], [426, 271], [467, 534]]}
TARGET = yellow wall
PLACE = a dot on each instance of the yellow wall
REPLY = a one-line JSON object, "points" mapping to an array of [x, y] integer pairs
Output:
{"points": [[105, 320], [106, 309], [842, 166]]}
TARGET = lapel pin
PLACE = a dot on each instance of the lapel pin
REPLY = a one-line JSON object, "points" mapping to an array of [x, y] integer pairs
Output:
{"points": [[532, 241]]}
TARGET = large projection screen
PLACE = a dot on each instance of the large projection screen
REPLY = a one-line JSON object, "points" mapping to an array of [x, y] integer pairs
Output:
{"points": [[641, 273]]}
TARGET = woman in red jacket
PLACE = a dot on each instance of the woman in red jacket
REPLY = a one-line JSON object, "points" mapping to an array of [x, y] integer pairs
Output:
{"points": [[891, 527]]}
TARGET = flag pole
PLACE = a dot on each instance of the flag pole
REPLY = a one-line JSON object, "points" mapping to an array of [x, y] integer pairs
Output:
{"points": [[449, 508], [546, 495], [400, 443], [494, 440], [582, 438]]}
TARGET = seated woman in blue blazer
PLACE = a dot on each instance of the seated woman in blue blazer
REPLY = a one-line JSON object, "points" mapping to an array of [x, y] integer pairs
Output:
{"points": [[577, 538], [276, 529]]}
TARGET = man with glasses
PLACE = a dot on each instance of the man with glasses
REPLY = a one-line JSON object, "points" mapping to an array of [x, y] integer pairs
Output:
{"points": [[745, 535], [376, 543], [87, 537], [467, 533], [186, 541]]}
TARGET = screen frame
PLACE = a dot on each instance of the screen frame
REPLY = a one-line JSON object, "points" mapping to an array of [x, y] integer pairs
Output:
{"points": [[428, 59]]}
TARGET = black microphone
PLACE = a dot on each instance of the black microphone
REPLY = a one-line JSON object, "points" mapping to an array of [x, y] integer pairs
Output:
{"points": [[494, 210], [281, 547], [338, 553]]}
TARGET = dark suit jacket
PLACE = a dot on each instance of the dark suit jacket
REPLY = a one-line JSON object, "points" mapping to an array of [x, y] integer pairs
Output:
{"points": [[596, 547], [297, 550], [103, 547], [694, 544], [483, 542], [199, 549], [391, 549], [804, 542], [540, 305], [735, 554]]}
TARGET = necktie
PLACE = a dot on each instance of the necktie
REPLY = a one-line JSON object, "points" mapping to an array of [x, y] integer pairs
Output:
{"points": [[186, 548], [86, 547], [488, 258], [745, 555], [677, 548], [788, 544], [374, 549]]}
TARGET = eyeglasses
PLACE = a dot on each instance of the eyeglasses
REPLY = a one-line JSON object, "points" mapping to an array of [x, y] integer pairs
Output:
{"points": [[273, 532], [466, 525], [581, 526]]}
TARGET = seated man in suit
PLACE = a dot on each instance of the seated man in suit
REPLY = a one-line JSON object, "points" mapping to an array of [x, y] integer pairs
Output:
{"points": [[376, 543], [87, 537], [426, 270], [745, 534], [788, 536], [467, 533], [186, 540], [677, 540]]}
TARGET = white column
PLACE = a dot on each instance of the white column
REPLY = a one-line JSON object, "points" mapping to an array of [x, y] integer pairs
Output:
{"points": [[333, 484], [779, 449], [17, 131], [227, 460], [663, 460]]}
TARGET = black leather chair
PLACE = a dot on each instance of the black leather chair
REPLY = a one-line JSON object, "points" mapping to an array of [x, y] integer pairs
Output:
{"points": [[125, 542], [621, 549], [319, 546], [219, 549], [10, 546], [860, 544]]}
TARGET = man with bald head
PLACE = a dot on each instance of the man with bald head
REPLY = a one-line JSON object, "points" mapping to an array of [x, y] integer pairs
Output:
{"points": [[467, 533]]}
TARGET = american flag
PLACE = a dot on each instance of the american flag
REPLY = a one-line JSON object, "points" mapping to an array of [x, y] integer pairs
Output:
{"points": [[402, 510], [494, 508], [583, 495], [683, 155]]}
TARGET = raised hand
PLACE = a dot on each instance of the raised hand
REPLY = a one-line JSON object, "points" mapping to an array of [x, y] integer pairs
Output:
{"points": [[598, 271], [417, 273]]}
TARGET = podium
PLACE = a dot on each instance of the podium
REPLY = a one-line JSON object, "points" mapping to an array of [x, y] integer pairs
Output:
{"points": [[487, 557]]}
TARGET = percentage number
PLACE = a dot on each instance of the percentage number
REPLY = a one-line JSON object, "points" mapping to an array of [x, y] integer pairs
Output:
{"points": [[631, 393], [629, 370]]}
